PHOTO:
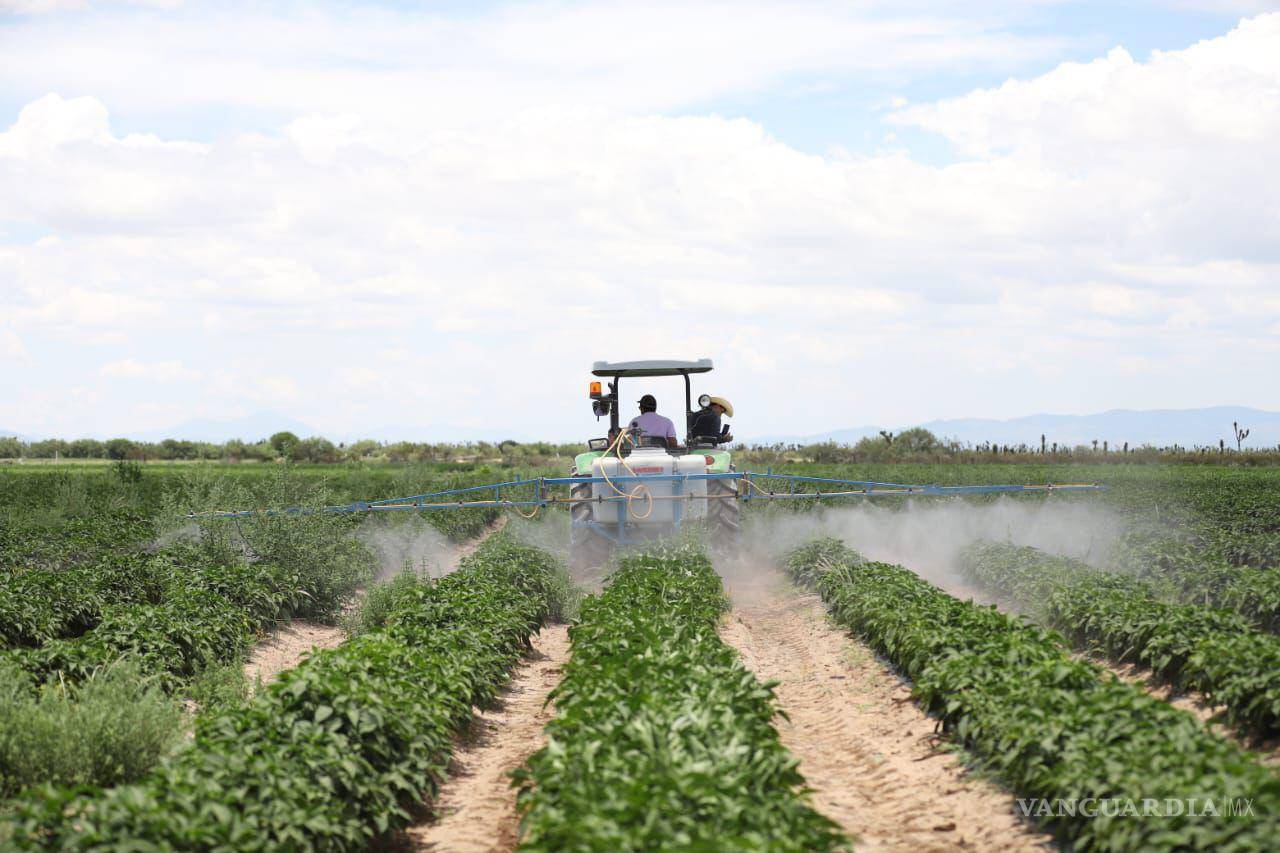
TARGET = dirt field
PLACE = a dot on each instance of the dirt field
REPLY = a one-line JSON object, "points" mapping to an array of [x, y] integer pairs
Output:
{"points": [[865, 748], [287, 646], [867, 751], [476, 809]]}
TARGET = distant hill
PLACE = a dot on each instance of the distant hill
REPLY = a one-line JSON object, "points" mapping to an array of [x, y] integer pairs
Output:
{"points": [[1161, 427]]}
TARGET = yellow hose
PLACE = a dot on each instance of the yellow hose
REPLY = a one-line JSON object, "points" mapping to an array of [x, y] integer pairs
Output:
{"points": [[640, 490], [746, 478]]}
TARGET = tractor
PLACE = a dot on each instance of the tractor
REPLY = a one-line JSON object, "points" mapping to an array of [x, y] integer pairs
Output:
{"points": [[629, 487], [637, 487]]}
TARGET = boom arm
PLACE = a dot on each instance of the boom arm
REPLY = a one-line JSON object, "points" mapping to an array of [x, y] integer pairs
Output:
{"points": [[752, 487]]}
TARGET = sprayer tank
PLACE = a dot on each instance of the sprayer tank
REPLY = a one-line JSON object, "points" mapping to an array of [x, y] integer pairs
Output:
{"points": [[649, 462]]}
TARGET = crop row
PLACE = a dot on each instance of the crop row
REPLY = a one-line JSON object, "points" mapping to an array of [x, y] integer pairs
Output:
{"points": [[59, 583], [195, 617], [41, 604], [182, 607], [30, 541], [662, 738], [1052, 728], [1215, 652], [335, 753], [1183, 569]]}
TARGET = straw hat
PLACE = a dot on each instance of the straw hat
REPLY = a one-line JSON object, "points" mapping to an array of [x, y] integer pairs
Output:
{"points": [[721, 401]]}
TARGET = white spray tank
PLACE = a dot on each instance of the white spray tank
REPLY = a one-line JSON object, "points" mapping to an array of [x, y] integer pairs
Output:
{"points": [[649, 462]]}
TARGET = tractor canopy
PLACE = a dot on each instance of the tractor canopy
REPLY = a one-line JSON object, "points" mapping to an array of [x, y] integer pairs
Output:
{"points": [[659, 367], [606, 402]]}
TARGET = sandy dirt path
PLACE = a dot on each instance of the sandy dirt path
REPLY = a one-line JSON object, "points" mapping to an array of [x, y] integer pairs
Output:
{"points": [[286, 646], [476, 809], [865, 748]]}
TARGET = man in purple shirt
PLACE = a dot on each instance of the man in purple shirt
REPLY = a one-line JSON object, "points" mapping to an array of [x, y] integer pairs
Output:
{"points": [[652, 423]]}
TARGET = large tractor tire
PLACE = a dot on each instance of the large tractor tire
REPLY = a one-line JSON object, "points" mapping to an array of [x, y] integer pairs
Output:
{"points": [[724, 519], [586, 550]]}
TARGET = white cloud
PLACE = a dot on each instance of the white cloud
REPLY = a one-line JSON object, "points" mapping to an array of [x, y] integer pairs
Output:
{"points": [[260, 384], [41, 7], [11, 347], [154, 371], [1218, 92], [1105, 219], [426, 68], [77, 310]]}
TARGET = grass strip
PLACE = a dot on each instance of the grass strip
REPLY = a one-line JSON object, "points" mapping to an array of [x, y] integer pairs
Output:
{"points": [[662, 738], [1215, 652], [338, 751], [1093, 753]]}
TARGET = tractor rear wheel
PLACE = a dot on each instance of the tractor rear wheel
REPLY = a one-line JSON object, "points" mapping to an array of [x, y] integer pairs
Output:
{"points": [[586, 549], [724, 514]]}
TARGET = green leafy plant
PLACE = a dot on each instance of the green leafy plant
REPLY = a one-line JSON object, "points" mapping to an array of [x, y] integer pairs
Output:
{"points": [[337, 752], [1218, 653], [662, 738], [1049, 726]]}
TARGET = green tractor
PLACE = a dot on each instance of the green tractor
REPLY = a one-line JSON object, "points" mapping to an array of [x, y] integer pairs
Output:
{"points": [[638, 487]]}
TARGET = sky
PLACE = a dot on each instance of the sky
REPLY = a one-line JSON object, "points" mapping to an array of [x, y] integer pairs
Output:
{"points": [[429, 219]]}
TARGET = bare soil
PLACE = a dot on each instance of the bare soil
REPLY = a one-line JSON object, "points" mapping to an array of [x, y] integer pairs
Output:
{"points": [[866, 749], [476, 808], [286, 646]]}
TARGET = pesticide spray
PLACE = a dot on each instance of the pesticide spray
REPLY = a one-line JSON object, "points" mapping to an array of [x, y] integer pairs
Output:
{"points": [[927, 536], [407, 544], [411, 543]]}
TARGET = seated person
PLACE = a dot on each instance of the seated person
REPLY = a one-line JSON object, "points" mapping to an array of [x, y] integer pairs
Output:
{"points": [[706, 423], [651, 423]]}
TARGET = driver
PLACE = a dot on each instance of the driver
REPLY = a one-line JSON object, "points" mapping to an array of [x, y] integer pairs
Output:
{"points": [[651, 423], [706, 423]]}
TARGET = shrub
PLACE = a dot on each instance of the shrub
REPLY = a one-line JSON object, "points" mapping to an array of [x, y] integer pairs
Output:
{"points": [[108, 730], [381, 601]]}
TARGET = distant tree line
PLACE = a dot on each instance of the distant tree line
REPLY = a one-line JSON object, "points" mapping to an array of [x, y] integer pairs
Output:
{"points": [[912, 445], [282, 446]]}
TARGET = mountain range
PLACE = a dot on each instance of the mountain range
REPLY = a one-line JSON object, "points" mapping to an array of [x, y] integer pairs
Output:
{"points": [[1160, 427]]}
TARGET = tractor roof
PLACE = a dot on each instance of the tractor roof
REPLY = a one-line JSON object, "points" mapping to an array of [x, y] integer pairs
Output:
{"points": [[661, 367]]}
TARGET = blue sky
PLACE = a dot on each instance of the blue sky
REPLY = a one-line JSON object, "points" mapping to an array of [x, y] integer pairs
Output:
{"points": [[817, 114], [370, 217]]}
